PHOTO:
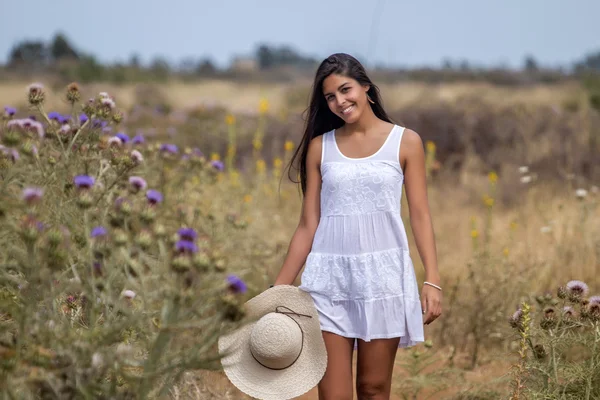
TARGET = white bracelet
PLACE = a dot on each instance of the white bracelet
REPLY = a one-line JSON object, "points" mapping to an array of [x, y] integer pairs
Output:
{"points": [[431, 284]]}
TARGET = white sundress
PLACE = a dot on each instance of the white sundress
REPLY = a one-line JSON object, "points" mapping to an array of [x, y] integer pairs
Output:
{"points": [[359, 271]]}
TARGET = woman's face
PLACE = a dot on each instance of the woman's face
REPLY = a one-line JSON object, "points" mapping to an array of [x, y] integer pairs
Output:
{"points": [[345, 97]]}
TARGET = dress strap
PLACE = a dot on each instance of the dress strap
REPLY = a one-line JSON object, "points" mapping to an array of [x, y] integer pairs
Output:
{"points": [[391, 149], [328, 152]]}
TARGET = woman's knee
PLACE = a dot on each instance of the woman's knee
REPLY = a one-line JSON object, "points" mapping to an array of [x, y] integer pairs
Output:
{"points": [[372, 389]]}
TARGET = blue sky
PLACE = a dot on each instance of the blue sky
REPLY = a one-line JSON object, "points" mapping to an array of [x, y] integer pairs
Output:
{"points": [[390, 32]]}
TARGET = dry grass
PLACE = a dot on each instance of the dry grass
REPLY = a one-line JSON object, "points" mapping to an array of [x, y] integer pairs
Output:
{"points": [[244, 97]]}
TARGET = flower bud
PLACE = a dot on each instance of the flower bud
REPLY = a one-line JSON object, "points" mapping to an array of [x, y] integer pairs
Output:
{"points": [[120, 237], [28, 148], [54, 237], [117, 117], [73, 94], [181, 264], [148, 215], [11, 138], [160, 231], [220, 265], [36, 94], [144, 240], [201, 261], [89, 108], [84, 201]]}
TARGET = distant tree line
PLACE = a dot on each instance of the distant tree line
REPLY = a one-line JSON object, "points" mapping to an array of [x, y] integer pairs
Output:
{"points": [[61, 58]]}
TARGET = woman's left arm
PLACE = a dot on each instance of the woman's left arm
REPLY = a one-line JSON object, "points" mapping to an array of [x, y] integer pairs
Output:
{"points": [[415, 181]]}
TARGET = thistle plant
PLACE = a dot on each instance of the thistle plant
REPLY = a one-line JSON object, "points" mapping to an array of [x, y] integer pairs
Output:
{"points": [[113, 280], [560, 347]]}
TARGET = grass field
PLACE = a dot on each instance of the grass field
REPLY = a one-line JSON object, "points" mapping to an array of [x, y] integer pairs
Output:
{"points": [[504, 235]]}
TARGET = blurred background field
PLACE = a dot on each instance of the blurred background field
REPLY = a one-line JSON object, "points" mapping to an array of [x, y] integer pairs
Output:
{"points": [[513, 163]]}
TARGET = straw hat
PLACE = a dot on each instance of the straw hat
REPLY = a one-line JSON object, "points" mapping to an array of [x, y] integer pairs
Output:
{"points": [[281, 353]]}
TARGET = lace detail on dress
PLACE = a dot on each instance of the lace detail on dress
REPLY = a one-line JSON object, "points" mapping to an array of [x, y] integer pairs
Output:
{"points": [[358, 188]]}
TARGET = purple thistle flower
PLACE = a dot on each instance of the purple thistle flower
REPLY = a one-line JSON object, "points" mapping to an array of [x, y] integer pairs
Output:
{"points": [[84, 181], [577, 289], [10, 111], [83, 118], [185, 246], [38, 128], [98, 123], [236, 285], [217, 164], [516, 319], [114, 141], [124, 138], [62, 119], [138, 139], [137, 156], [169, 148], [568, 312], [98, 231], [18, 123], [32, 194], [594, 300], [187, 234], [11, 153], [196, 151], [154, 196], [54, 115], [138, 183]]}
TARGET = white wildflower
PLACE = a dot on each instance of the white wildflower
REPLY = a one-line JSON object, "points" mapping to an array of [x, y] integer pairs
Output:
{"points": [[129, 294], [524, 169], [546, 229], [97, 360], [526, 179], [581, 193]]}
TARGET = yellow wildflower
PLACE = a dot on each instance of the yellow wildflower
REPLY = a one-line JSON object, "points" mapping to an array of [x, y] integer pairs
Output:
{"points": [[505, 252], [289, 145], [257, 144], [474, 233], [488, 201], [215, 157], [230, 119], [263, 107], [277, 162], [248, 198], [430, 146], [261, 166], [493, 177]]}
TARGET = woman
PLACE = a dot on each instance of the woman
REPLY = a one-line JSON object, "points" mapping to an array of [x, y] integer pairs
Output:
{"points": [[353, 162]]}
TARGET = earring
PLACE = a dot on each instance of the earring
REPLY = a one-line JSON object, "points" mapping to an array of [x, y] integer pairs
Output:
{"points": [[370, 100]]}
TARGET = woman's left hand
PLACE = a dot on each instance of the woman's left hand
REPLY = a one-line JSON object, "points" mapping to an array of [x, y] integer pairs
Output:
{"points": [[431, 303]]}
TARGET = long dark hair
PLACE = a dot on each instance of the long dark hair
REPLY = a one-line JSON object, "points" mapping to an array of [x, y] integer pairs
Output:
{"points": [[320, 118]]}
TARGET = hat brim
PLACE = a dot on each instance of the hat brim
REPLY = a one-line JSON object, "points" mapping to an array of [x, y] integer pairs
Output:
{"points": [[263, 383]]}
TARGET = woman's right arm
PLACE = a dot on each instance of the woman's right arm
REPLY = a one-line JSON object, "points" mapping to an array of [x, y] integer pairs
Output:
{"points": [[302, 240]]}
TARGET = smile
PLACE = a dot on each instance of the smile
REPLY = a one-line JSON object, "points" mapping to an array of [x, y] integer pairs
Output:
{"points": [[347, 110]]}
